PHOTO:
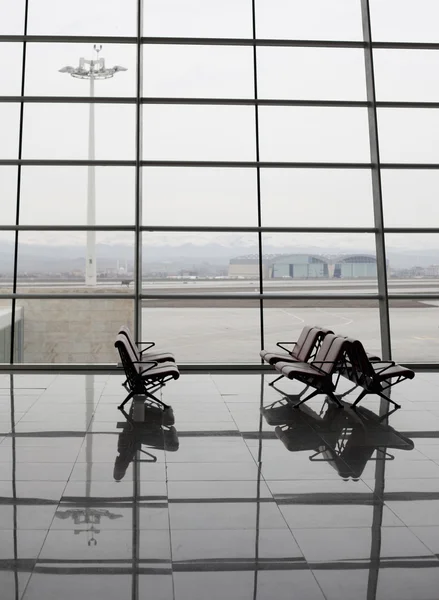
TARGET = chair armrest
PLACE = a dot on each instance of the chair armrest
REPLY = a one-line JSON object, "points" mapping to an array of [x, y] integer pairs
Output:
{"points": [[153, 364], [390, 364], [147, 344], [284, 348]]}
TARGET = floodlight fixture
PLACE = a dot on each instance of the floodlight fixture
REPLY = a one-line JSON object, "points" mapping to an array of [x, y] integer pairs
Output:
{"points": [[92, 69]]}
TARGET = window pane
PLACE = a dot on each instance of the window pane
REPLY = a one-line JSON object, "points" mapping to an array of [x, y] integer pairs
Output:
{"points": [[12, 17], [314, 19], [413, 269], [316, 198], [311, 73], [284, 320], [204, 197], [208, 331], [8, 186], [82, 17], [314, 263], [73, 330], [314, 134], [198, 133], [413, 262], [11, 55], [193, 262], [9, 127], [56, 261], [198, 18], [7, 240], [56, 56], [58, 195], [406, 75], [413, 330], [410, 198], [198, 71], [407, 135], [57, 131], [404, 20]]}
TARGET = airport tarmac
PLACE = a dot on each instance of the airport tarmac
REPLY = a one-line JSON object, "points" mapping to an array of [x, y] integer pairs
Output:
{"points": [[232, 335]]}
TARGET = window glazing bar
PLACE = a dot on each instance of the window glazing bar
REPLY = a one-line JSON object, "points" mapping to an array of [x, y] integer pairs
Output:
{"points": [[18, 188], [69, 99], [66, 296], [138, 179], [43, 162], [217, 296], [303, 43], [263, 229], [67, 228], [258, 183], [156, 100], [254, 164], [208, 164], [256, 296], [114, 368], [78, 39], [376, 184], [220, 229]]}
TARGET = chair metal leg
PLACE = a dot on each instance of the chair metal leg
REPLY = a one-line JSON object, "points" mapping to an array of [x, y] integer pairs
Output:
{"points": [[274, 381], [334, 399], [156, 400], [389, 400], [130, 395], [360, 397]]}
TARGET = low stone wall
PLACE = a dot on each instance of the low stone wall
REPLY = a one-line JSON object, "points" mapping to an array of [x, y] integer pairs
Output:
{"points": [[73, 330]]}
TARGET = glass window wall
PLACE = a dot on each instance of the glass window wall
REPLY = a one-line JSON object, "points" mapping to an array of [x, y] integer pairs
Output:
{"points": [[202, 171]]}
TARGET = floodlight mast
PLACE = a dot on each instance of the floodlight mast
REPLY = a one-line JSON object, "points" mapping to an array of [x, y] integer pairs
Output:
{"points": [[91, 69]]}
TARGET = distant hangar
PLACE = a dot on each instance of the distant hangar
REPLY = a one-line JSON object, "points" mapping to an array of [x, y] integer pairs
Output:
{"points": [[305, 266]]}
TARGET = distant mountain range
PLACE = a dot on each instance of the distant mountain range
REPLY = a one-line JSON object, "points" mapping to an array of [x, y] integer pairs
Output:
{"points": [[191, 251]]}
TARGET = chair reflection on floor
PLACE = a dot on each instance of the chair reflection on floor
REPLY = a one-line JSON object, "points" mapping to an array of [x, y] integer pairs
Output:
{"points": [[150, 433], [345, 439]]}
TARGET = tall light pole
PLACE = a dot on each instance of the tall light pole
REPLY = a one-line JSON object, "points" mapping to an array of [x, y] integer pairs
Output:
{"points": [[91, 70]]}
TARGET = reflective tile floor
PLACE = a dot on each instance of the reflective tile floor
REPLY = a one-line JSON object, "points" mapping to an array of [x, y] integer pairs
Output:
{"points": [[234, 501]]}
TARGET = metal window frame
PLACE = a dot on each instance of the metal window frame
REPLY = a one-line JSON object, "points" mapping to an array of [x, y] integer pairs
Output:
{"points": [[382, 296]]}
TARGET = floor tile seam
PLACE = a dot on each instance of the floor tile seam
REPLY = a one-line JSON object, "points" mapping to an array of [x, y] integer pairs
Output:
{"points": [[28, 409], [435, 554], [304, 558], [44, 541], [169, 527]]}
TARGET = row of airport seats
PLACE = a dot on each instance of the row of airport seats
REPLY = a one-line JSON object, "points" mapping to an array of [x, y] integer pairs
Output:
{"points": [[319, 358]]}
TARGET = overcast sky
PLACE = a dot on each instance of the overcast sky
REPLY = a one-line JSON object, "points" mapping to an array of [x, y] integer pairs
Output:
{"points": [[196, 196]]}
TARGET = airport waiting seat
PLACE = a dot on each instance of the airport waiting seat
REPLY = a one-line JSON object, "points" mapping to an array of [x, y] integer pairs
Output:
{"points": [[303, 350], [144, 377], [318, 374], [375, 377]]}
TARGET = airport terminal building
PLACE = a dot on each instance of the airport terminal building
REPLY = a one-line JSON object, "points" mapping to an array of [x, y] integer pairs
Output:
{"points": [[305, 266]]}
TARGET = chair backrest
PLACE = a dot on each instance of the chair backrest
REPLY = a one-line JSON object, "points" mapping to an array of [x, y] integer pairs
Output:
{"points": [[330, 353], [301, 341], [322, 333], [360, 361], [124, 330], [128, 360], [305, 344]]}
